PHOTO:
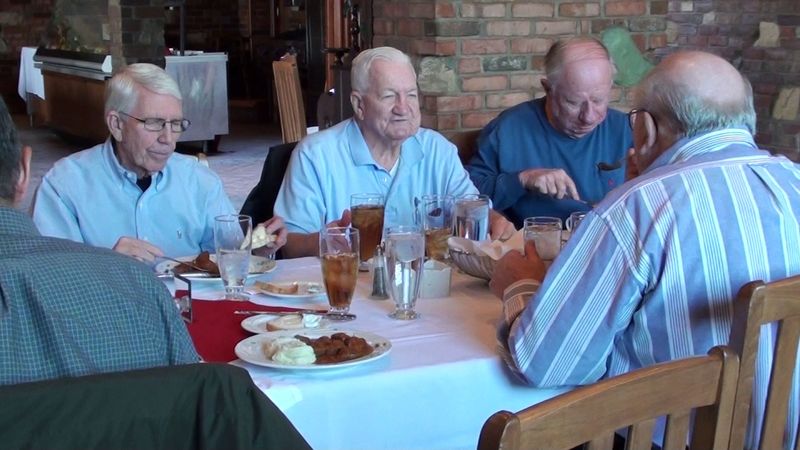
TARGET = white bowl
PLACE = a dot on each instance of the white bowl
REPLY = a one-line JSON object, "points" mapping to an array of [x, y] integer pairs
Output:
{"points": [[472, 264]]}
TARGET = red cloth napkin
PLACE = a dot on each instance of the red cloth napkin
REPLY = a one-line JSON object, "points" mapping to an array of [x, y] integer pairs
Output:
{"points": [[216, 330]]}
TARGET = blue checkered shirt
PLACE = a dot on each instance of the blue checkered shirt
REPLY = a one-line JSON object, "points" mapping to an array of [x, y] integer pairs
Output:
{"points": [[68, 309]]}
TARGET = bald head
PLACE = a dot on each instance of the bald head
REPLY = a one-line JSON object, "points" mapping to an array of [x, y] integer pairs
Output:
{"points": [[696, 92], [581, 51]]}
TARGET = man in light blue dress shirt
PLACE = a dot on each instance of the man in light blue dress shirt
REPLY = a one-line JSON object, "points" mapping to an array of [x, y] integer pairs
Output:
{"points": [[652, 272], [132, 193], [381, 150]]}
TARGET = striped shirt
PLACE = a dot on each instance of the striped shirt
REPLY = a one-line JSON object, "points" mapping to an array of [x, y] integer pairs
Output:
{"points": [[651, 274]]}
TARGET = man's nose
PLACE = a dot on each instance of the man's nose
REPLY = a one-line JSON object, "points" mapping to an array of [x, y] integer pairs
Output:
{"points": [[167, 136], [401, 105], [591, 113]]}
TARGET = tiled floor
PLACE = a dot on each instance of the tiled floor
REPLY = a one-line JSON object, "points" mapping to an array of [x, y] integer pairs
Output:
{"points": [[238, 162]]}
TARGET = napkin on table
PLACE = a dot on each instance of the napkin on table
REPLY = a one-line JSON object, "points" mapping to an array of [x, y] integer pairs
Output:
{"points": [[493, 249]]}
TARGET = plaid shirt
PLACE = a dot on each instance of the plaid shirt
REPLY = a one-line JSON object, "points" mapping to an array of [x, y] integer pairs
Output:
{"points": [[68, 309]]}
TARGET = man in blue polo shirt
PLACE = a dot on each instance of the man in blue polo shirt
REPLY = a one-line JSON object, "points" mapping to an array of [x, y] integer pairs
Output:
{"points": [[561, 153]]}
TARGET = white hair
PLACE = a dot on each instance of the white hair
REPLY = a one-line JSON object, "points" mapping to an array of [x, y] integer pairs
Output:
{"points": [[359, 73], [121, 93]]}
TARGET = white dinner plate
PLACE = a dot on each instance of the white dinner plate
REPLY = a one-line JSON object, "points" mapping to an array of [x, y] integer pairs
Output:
{"points": [[305, 289], [252, 349], [258, 324], [258, 266]]}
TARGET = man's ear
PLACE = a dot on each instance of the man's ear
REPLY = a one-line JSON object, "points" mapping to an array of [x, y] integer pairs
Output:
{"points": [[114, 124], [358, 105], [651, 130], [21, 186], [545, 85]]}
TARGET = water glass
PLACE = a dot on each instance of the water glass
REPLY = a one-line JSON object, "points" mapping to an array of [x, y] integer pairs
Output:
{"points": [[233, 239], [545, 232], [574, 220], [405, 255], [435, 217], [367, 216], [472, 217], [338, 253]]}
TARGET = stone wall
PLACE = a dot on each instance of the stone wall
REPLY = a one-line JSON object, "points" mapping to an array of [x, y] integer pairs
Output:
{"points": [[476, 58]]}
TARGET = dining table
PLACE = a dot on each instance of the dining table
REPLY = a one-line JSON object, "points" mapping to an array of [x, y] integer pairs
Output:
{"points": [[441, 379]]}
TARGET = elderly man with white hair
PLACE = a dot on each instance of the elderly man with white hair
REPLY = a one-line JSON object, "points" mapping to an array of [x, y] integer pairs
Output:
{"points": [[380, 150], [132, 193]]}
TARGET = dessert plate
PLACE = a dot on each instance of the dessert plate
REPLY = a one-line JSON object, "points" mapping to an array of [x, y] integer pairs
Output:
{"points": [[289, 289], [258, 324], [258, 265]]}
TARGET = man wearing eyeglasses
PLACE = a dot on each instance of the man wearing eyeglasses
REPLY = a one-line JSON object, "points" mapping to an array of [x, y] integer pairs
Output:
{"points": [[132, 193]]}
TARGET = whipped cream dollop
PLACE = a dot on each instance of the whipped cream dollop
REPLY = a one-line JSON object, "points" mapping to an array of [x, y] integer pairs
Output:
{"points": [[295, 321], [289, 350]]}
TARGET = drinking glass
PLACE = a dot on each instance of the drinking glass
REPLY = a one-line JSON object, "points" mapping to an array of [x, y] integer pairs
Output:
{"points": [[233, 239], [472, 217], [574, 220], [435, 217], [545, 232], [405, 254], [367, 216], [338, 253]]}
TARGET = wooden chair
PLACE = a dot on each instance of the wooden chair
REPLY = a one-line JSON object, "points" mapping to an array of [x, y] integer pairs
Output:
{"points": [[634, 400], [761, 303], [467, 144], [290, 99]]}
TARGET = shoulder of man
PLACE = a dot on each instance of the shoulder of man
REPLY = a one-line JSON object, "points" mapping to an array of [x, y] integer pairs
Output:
{"points": [[84, 160]]}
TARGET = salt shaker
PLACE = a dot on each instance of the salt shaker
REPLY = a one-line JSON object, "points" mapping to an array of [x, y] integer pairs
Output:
{"points": [[379, 275]]}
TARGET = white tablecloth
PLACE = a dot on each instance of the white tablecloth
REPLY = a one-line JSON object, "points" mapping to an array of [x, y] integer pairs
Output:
{"points": [[30, 78], [441, 381]]}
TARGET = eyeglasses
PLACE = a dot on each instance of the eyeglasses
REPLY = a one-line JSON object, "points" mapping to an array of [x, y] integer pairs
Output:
{"points": [[155, 124], [632, 117]]}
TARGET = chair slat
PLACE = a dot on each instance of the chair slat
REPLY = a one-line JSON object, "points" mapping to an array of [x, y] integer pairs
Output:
{"points": [[640, 435], [677, 428], [605, 442]]}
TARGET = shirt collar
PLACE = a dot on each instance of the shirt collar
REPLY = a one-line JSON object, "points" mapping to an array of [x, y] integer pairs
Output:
{"points": [[125, 176], [702, 144], [410, 152]]}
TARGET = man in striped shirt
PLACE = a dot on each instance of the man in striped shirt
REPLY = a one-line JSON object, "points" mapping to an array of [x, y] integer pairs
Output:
{"points": [[651, 273]]}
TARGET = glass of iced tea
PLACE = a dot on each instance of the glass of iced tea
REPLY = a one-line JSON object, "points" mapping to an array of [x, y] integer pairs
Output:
{"points": [[338, 252], [435, 216], [367, 217]]}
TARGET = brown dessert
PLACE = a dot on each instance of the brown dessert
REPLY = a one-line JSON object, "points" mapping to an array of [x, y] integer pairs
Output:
{"points": [[202, 261]]}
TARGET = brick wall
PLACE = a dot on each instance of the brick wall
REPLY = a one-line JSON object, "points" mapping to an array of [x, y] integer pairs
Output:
{"points": [[477, 57]]}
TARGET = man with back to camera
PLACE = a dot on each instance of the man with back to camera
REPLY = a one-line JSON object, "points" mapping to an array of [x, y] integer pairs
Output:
{"points": [[133, 193], [68, 309], [382, 149], [540, 158], [653, 270]]}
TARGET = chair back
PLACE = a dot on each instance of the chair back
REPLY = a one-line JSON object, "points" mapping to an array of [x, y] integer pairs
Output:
{"points": [[635, 400], [760, 303], [290, 99], [467, 144], [178, 407], [261, 199]]}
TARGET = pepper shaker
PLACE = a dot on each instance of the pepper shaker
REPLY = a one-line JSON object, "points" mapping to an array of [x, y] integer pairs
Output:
{"points": [[379, 275]]}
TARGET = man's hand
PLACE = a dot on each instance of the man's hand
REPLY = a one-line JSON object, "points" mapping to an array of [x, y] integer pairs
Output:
{"points": [[141, 250], [343, 221], [499, 227], [553, 182], [515, 266], [276, 227]]}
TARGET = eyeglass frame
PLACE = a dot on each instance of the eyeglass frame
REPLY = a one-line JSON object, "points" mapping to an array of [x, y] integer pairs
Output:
{"points": [[635, 111], [183, 124]]}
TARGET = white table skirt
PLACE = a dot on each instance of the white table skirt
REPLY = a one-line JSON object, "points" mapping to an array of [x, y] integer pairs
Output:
{"points": [[441, 381]]}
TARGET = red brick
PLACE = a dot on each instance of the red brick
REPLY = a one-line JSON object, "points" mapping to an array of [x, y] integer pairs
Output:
{"points": [[531, 81], [445, 48], [579, 9], [421, 10], [535, 45], [658, 40], [626, 8], [477, 120], [483, 46], [717, 41], [508, 28], [532, 10], [469, 10], [423, 47], [639, 40], [445, 10], [495, 101], [492, 83], [395, 9], [410, 27], [383, 26], [429, 121], [459, 103], [469, 65], [556, 27], [447, 122]]}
